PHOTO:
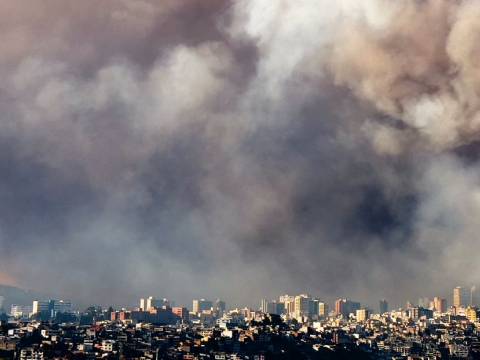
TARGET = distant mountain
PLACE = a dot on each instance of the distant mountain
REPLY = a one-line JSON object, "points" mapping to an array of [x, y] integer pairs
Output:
{"points": [[14, 295]]}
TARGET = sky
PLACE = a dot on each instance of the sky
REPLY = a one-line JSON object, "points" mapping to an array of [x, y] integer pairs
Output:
{"points": [[240, 149]]}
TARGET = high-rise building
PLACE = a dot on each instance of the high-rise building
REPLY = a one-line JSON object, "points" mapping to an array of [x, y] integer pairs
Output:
{"points": [[313, 307], [344, 307], [220, 306], [201, 305], [418, 312], [51, 307], [362, 315], [150, 303], [473, 299], [269, 307], [279, 308], [60, 306], [383, 305], [302, 305], [458, 297], [18, 311], [154, 303], [439, 304], [39, 306], [288, 303], [322, 309], [338, 306], [264, 306]]}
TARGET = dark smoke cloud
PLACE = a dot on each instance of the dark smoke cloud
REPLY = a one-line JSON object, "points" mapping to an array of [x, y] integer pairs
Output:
{"points": [[240, 150]]}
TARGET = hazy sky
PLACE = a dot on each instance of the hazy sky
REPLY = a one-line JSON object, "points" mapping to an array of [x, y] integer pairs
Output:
{"points": [[244, 149]]}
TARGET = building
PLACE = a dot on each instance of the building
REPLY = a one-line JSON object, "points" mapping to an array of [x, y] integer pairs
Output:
{"points": [[40, 306], [268, 307], [51, 308], [416, 313], [439, 304], [143, 304], [154, 316], [31, 354], [108, 345], [150, 303], [153, 303], [280, 308], [344, 307], [264, 306], [302, 305], [458, 297], [201, 305], [362, 315], [423, 302], [181, 312], [20, 311], [472, 314], [288, 304], [322, 309], [383, 305], [60, 306], [220, 306]]}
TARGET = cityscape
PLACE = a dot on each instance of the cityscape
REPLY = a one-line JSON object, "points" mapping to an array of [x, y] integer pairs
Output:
{"points": [[289, 327], [239, 179]]}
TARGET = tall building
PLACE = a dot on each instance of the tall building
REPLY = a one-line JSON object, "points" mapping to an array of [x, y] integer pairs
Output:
{"points": [[322, 309], [264, 306], [39, 306], [268, 307], [338, 306], [418, 312], [383, 305], [220, 306], [439, 304], [51, 307], [201, 305], [313, 307], [150, 303], [458, 297], [302, 305], [362, 315], [472, 296], [288, 304], [154, 303], [60, 306], [18, 311], [280, 308], [344, 307]]}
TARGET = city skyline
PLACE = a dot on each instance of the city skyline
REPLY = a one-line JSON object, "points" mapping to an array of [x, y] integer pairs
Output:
{"points": [[458, 297]]}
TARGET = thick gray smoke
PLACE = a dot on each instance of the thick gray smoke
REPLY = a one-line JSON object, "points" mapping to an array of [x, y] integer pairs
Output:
{"points": [[239, 150]]}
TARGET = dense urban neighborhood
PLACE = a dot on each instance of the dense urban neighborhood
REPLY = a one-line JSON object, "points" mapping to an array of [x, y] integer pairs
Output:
{"points": [[290, 327]]}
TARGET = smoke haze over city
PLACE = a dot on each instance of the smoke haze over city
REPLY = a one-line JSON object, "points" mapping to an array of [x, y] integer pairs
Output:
{"points": [[240, 149]]}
